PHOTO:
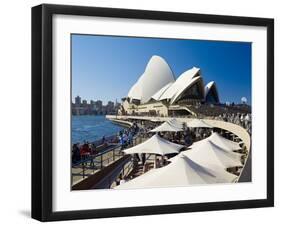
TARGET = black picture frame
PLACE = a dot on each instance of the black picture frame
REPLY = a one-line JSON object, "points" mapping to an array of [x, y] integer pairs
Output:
{"points": [[42, 111]]}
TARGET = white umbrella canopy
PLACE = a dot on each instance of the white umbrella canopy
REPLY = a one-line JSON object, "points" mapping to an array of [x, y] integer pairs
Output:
{"points": [[198, 123], [166, 127], [223, 142], [181, 172], [176, 123], [212, 156], [220, 141], [155, 145]]}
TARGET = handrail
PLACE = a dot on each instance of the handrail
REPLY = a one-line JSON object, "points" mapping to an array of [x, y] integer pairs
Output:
{"points": [[95, 164], [103, 178], [92, 157], [115, 172], [93, 160]]}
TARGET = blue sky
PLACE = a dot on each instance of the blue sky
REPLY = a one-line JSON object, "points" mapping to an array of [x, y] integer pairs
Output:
{"points": [[105, 67]]}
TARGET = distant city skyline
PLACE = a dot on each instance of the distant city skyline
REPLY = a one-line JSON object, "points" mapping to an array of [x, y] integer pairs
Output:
{"points": [[82, 106], [74, 100], [105, 67]]}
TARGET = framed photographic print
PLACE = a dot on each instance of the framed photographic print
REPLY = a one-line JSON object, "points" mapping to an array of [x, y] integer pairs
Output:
{"points": [[146, 112]]}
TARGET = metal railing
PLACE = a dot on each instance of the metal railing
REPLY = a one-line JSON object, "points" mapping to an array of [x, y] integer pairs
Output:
{"points": [[92, 163], [123, 169]]}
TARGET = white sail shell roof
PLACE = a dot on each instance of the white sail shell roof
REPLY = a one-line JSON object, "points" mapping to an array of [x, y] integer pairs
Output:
{"points": [[156, 75], [184, 81], [155, 145], [208, 87], [135, 92], [158, 83], [159, 93], [181, 172]]}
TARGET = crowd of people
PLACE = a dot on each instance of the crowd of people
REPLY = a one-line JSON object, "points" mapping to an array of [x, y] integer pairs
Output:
{"points": [[219, 109], [244, 120], [237, 114], [126, 136], [185, 137], [82, 151], [188, 136]]}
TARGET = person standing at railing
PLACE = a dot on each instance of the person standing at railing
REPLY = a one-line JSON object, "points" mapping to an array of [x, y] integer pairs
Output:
{"points": [[130, 138], [125, 139], [121, 140], [187, 140], [93, 149], [85, 151], [143, 158], [103, 139], [75, 153]]}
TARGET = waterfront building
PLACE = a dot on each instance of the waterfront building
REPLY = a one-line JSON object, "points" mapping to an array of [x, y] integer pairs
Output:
{"points": [[84, 103], [157, 92], [110, 105], [92, 103], [99, 105], [77, 101]]}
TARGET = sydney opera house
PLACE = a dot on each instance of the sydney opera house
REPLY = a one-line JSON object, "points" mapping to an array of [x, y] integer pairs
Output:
{"points": [[158, 93]]}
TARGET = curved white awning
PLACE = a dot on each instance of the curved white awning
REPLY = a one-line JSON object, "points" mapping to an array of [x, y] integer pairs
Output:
{"points": [[155, 145], [198, 123], [212, 156], [222, 142], [181, 172], [166, 127]]}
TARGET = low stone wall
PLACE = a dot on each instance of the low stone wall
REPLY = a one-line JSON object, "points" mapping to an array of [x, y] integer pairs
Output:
{"points": [[121, 122]]}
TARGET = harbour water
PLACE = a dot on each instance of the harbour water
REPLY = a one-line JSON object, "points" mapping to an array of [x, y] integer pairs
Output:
{"points": [[91, 128]]}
